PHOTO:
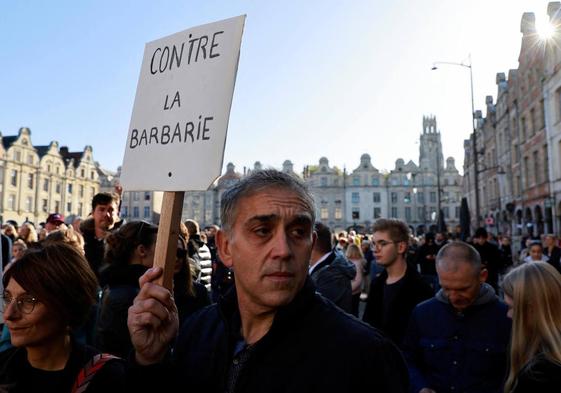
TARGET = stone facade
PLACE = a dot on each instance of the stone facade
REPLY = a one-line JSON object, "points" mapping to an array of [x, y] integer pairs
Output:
{"points": [[39, 180], [356, 199], [519, 141]]}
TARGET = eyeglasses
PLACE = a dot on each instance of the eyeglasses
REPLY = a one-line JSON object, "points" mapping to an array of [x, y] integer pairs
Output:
{"points": [[382, 243], [24, 303]]}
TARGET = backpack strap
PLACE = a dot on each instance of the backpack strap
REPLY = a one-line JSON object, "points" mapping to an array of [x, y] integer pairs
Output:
{"points": [[89, 370]]}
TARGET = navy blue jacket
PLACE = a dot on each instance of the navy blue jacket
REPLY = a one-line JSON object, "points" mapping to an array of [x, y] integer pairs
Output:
{"points": [[455, 352]]}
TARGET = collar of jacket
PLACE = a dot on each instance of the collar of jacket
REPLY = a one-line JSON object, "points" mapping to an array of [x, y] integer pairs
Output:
{"points": [[486, 295], [285, 315]]}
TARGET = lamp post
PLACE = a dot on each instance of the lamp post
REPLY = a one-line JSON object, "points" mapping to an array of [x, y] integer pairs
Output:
{"points": [[474, 139]]}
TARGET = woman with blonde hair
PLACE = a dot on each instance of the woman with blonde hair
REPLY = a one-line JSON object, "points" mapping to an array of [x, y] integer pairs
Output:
{"points": [[28, 234], [355, 255], [533, 294]]}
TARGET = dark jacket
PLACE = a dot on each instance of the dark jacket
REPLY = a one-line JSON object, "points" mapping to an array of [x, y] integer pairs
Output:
{"points": [[94, 248], [121, 287], [17, 375], [412, 291], [492, 260], [312, 346], [540, 375], [554, 258], [332, 278], [453, 352]]}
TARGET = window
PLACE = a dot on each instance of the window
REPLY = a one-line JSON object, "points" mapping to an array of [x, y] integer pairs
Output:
{"points": [[69, 187], [46, 185], [394, 212], [12, 202], [407, 197], [135, 196], [355, 197], [17, 156], [82, 172], [376, 197], [57, 206], [377, 212], [338, 213], [80, 209], [323, 181], [57, 188], [522, 129], [14, 177], [81, 191], [421, 213], [375, 181], [30, 159], [532, 122], [30, 181], [324, 213], [125, 211], [457, 211], [29, 204], [446, 212], [146, 211], [394, 197], [355, 213], [356, 181], [545, 163], [69, 207], [407, 214], [92, 191], [432, 197], [405, 181], [135, 213], [147, 196], [44, 206], [537, 177], [421, 197], [92, 175]]}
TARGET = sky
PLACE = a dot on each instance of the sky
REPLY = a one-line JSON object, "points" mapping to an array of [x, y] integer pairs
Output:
{"points": [[316, 78]]}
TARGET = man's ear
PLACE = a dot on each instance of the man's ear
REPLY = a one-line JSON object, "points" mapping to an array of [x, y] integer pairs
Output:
{"points": [[223, 245], [141, 250], [402, 248]]}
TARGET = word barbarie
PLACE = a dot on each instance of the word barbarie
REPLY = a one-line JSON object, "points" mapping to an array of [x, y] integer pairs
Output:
{"points": [[180, 133]]}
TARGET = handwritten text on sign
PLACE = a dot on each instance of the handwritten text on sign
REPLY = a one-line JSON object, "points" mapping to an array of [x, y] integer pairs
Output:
{"points": [[181, 110]]}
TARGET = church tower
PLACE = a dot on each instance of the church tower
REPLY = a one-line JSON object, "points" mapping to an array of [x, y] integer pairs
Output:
{"points": [[430, 149]]}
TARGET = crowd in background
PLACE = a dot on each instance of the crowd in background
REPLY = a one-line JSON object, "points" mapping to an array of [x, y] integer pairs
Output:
{"points": [[408, 287]]}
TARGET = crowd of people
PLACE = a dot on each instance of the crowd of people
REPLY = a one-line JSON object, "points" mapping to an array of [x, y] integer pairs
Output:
{"points": [[273, 300]]}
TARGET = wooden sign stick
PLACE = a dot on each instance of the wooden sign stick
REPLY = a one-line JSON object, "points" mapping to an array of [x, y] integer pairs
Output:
{"points": [[168, 232]]}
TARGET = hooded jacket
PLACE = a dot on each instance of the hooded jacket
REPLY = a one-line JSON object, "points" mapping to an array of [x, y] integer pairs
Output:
{"points": [[332, 278], [451, 351]]}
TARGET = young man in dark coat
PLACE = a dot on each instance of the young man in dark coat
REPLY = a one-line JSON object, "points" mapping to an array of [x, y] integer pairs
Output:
{"points": [[272, 332], [399, 288]]}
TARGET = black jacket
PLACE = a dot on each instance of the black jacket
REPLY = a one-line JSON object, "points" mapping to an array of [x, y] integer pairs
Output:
{"points": [[312, 346], [413, 290], [120, 289], [541, 375], [332, 278], [18, 376], [555, 258]]}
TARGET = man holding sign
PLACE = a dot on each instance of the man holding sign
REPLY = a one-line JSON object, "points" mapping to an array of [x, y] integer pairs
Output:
{"points": [[272, 332]]}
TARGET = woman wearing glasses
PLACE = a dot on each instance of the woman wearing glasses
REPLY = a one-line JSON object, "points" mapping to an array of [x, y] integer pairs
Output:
{"points": [[129, 253], [47, 293], [533, 294]]}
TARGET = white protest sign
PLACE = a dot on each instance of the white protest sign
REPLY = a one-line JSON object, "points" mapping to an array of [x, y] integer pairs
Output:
{"points": [[178, 127]]}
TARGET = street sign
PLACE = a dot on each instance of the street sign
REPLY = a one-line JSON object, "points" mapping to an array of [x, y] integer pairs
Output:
{"points": [[178, 127]]}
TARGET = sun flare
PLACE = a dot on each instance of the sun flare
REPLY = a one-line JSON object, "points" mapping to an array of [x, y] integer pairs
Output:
{"points": [[544, 29]]}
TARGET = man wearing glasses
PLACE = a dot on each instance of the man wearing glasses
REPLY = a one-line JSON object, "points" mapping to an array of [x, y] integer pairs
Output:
{"points": [[399, 288]]}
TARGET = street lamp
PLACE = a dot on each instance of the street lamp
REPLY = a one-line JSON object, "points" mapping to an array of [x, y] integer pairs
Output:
{"points": [[475, 163]]}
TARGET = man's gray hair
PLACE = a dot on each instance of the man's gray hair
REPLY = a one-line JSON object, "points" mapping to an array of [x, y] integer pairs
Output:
{"points": [[259, 181], [457, 252]]}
